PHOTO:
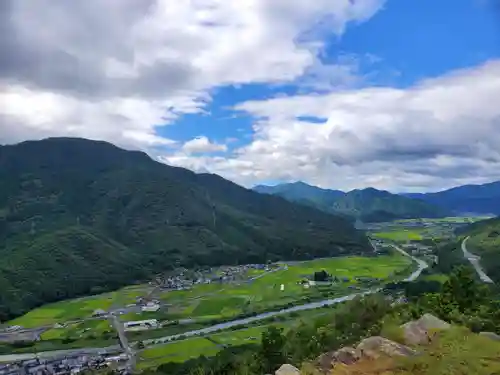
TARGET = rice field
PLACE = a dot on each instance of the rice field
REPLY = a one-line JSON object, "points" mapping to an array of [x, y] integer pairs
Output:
{"points": [[400, 235], [76, 309], [210, 301]]}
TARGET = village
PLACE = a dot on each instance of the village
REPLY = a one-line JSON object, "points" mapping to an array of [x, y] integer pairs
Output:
{"points": [[185, 279], [65, 365]]}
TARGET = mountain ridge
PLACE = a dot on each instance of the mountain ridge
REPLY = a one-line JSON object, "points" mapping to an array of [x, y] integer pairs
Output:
{"points": [[91, 195], [477, 199], [368, 204]]}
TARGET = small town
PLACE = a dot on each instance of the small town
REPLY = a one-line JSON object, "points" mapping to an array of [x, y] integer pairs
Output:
{"points": [[67, 365]]}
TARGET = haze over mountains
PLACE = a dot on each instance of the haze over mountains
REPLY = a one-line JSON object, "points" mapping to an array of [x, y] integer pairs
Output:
{"points": [[378, 205], [467, 199], [366, 204], [78, 216]]}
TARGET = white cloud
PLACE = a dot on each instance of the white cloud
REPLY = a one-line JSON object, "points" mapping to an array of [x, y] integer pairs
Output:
{"points": [[202, 145], [115, 70], [439, 133]]}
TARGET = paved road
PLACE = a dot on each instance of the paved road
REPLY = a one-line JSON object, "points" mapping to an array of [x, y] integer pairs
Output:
{"points": [[422, 265], [475, 261]]}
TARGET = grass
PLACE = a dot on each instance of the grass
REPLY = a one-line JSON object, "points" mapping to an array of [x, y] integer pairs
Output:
{"points": [[181, 351], [400, 235], [177, 352], [455, 352], [76, 309], [442, 278]]}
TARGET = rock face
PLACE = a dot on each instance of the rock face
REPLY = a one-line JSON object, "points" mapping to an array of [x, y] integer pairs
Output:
{"points": [[370, 348], [421, 331], [347, 356], [287, 369], [376, 346]]}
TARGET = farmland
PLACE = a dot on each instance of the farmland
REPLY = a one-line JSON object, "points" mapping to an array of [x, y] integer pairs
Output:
{"points": [[77, 309], [180, 351], [206, 304]]}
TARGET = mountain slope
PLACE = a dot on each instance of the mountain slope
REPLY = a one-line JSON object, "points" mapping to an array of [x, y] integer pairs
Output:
{"points": [[477, 199], [377, 205], [367, 204], [111, 216], [297, 191]]}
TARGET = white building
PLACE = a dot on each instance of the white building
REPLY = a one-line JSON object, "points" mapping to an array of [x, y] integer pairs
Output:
{"points": [[150, 307], [141, 325]]}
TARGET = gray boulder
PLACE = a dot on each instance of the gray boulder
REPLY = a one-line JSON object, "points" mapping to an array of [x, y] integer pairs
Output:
{"points": [[287, 369], [422, 330], [376, 346]]}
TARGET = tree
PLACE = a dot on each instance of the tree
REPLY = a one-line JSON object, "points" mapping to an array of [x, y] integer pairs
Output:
{"points": [[321, 276], [463, 288], [272, 349]]}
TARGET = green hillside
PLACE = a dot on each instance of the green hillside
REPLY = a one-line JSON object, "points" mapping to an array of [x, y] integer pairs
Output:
{"points": [[377, 205], [76, 215], [485, 242]]}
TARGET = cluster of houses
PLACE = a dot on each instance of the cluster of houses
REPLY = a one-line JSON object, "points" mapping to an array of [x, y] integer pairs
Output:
{"points": [[64, 366], [17, 333], [226, 274]]}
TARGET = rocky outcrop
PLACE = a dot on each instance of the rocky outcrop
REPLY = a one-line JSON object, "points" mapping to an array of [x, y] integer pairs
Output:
{"points": [[347, 356], [379, 350], [376, 346], [421, 331], [287, 369], [370, 348]]}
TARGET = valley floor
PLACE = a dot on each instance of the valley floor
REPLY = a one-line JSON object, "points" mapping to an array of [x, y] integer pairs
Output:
{"points": [[248, 291]]}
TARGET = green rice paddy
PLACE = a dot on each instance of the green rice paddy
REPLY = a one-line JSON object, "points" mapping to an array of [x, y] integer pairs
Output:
{"points": [[208, 301]]}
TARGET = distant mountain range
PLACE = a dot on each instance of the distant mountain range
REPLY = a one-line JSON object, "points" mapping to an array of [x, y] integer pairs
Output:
{"points": [[370, 205], [79, 217], [467, 199]]}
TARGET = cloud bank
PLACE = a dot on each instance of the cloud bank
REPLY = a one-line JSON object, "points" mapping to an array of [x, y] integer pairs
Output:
{"points": [[117, 70]]}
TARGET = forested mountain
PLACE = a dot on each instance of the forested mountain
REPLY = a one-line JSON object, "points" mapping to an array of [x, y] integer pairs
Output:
{"points": [[78, 216], [467, 199], [485, 242], [297, 191], [369, 205]]}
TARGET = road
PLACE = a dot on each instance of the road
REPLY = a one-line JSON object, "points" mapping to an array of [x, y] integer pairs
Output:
{"points": [[474, 260], [308, 306], [422, 265]]}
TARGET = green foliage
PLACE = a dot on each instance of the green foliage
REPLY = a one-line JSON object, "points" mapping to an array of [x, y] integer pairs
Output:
{"points": [[78, 216], [272, 350]]}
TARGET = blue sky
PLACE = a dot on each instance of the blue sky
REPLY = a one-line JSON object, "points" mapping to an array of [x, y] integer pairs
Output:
{"points": [[339, 93]]}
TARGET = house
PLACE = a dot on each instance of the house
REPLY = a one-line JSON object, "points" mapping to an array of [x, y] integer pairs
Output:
{"points": [[98, 313], [150, 307], [141, 325]]}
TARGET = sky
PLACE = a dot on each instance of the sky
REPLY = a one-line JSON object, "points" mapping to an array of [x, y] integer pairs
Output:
{"points": [[401, 95]]}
